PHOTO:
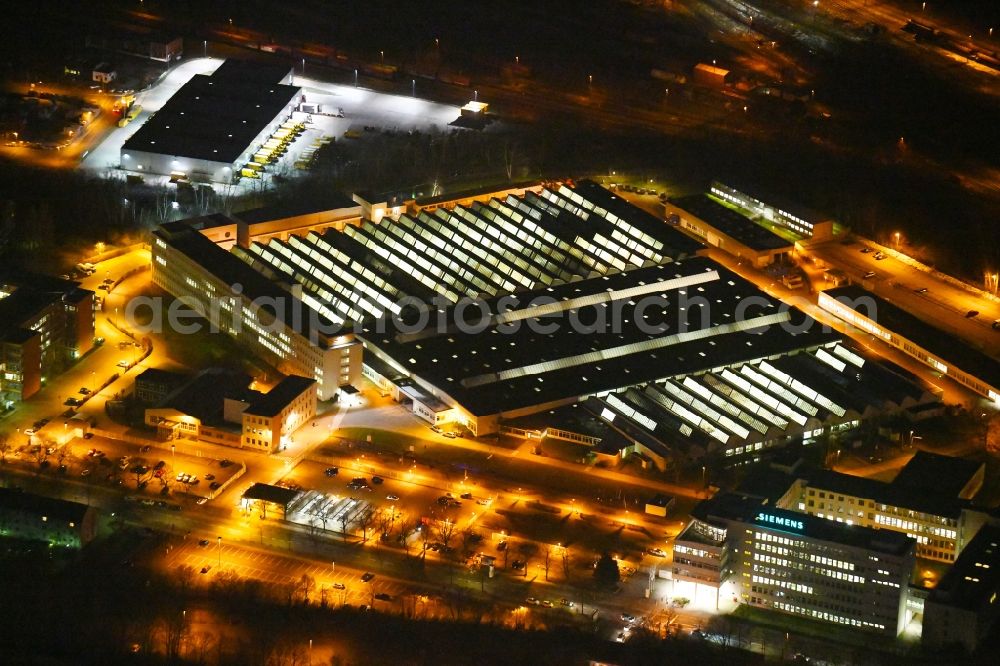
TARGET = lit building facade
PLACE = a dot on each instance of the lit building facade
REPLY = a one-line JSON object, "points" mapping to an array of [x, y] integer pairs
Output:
{"points": [[45, 325], [794, 563], [791, 216], [847, 575], [267, 317], [939, 351]]}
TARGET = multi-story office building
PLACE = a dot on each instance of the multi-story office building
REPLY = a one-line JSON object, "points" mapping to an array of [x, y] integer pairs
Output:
{"points": [[928, 501], [794, 563], [45, 324], [269, 317]]}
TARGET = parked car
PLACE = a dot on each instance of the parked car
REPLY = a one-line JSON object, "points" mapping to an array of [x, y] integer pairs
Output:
{"points": [[382, 596], [377, 480], [332, 471], [367, 576], [203, 543], [466, 495], [339, 586]]}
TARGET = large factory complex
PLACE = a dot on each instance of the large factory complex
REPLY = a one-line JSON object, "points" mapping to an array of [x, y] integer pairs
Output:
{"points": [[562, 311]]}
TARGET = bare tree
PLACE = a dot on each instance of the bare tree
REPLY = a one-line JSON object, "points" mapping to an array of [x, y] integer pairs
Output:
{"points": [[262, 507], [446, 531], [5, 446], [307, 585], [565, 563], [406, 529], [548, 559], [509, 154], [365, 521], [345, 521]]}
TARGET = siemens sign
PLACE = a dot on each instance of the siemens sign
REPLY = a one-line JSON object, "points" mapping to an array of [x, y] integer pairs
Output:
{"points": [[779, 521]]}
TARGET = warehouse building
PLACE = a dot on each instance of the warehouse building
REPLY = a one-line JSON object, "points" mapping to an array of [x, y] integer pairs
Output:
{"points": [[214, 124], [931, 346], [773, 208], [722, 227]]}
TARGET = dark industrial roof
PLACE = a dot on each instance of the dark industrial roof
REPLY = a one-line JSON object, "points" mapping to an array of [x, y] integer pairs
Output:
{"points": [[331, 201], [932, 472], [728, 221], [275, 400], [269, 493], [158, 375], [204, 396], [950, 349], [974, 579], [39, 505], [576, 418], [483, 370], [216, 117], [464, 194]]}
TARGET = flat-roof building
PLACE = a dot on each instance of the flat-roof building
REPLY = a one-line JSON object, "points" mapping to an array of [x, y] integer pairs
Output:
{"points": [[219, 406], [965, 604], [785, 561], [214, 123], [45, 324], [722, 227], [930, 345], [774, 208], [55, 521]]}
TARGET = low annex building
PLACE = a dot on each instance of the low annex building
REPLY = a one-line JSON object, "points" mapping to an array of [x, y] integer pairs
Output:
{"points": [[722, 227], [219, 407], [928, 344], [965, 605], [55, 521]]}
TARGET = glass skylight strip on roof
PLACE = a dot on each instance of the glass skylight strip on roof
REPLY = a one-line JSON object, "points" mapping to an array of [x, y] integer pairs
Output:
{"points": [[803, 389], [830, 360], [705, 410], [631, 413], [742, 397], [787, 397], [849, 356], [722, 402], [685, 414]]}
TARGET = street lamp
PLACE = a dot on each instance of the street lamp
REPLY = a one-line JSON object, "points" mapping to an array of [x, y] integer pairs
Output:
{"points": [[381, 56], [220, 552], [205, 45]]}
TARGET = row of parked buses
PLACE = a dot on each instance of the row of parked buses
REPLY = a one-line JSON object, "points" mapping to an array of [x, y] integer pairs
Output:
{"points": [[273, 149]]}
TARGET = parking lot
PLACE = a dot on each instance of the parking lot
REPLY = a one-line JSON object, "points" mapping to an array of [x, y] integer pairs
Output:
{"points": [[142, 471]]}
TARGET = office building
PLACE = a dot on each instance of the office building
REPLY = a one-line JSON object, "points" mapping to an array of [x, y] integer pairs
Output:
{"points": [[774, 208], [45, 325], [964, 606], [214, 124], [264, 313], [218, 406], [793, 563], [927, 501]]}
